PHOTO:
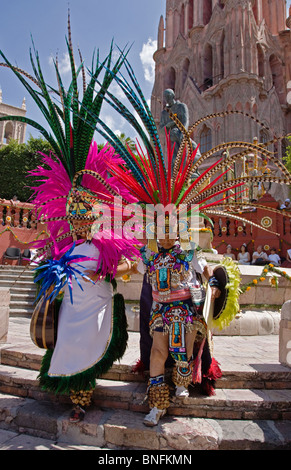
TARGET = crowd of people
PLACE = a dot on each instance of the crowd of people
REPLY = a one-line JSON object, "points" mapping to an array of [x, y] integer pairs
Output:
{"points": [[259, 257]]}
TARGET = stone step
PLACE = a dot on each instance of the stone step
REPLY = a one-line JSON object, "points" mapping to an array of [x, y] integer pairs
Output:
{"points": [[129, 395], [124, 430], [21, 312], [9, 267], [18, 284], [20, 297], [266, 377], [22, 302]]}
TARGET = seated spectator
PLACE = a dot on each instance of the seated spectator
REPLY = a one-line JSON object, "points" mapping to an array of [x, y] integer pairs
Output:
{"points": [[244, 256], [274, 258], [287, 262], [260, 258], [286, 205], [228, 253]]}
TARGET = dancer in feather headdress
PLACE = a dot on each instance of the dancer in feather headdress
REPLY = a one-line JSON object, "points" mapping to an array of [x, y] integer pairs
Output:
{"points": [[76, 276], [182, 312]]}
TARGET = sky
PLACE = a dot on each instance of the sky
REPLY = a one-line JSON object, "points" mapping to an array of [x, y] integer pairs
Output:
{"points": [[94, 24]]}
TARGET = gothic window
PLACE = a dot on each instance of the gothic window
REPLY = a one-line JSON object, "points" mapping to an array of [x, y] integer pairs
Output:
{"points": [[264, 136], [222, 55], [205, 139], [182, 20], [261, 60], [255, 11], [207, 67], [207, 11], [170, 79], [190, 14], [185, 71], [277, 77]]}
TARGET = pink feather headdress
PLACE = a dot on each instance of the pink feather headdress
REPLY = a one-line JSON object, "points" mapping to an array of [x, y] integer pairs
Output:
{"points": [[51, 205]]}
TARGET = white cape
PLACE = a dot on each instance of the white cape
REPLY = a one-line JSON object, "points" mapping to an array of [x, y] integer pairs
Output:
{"points": [[84, 327]]}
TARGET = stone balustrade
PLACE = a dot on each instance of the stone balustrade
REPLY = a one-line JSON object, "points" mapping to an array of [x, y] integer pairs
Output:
{"points": [[18, 226], [17, 214]]}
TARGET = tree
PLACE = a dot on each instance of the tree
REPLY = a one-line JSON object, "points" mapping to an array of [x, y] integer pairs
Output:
{"points": [[287, 159], [127, 141], [15, 162]]}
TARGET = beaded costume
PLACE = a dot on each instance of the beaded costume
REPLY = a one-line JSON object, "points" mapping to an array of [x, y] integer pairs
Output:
{"points": [[154, 179], [174, 274]]}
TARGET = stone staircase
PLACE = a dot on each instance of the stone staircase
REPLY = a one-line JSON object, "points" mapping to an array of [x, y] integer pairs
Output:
{"points": [[19, 280], [251, 408]]}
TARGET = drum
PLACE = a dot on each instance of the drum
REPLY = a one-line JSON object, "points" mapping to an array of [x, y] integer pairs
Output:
{"points": [[43, 324]]}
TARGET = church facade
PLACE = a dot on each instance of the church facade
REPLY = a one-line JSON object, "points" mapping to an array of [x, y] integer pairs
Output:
{"points": [[224, 55], [11, 129]]}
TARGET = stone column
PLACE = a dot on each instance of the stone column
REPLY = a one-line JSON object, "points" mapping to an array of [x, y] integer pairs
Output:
{"points": [[285, 334], [4, 314]]}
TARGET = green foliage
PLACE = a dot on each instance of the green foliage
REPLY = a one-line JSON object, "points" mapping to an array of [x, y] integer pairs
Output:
{"points": [[15, 162], [287, 159]]}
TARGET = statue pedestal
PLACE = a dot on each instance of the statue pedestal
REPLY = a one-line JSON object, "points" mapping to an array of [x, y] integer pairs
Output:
{"points": [[4, 314], [285, 335]]}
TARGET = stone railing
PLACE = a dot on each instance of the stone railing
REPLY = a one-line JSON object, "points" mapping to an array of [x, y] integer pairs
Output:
{"points": [[18, 227], [17, 214]]}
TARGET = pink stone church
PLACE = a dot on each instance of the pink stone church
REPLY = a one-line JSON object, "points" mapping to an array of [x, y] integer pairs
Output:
{"points": [[226, 55], [222, 55]]}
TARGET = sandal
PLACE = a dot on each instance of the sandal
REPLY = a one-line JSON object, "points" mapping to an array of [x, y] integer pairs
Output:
{"points": [[77, 414], [153, 417]]}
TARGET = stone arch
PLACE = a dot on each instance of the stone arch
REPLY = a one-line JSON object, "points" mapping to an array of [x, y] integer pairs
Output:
{"points": [[8, 132]]}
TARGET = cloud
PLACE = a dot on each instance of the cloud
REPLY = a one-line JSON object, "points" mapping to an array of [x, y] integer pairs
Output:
{"points": [[110, 121], [146, 57], [63, 63]]}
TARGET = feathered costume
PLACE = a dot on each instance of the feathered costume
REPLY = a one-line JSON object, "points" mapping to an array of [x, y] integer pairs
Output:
{"points": [[146, 175], [152, 179], [74, 185]]}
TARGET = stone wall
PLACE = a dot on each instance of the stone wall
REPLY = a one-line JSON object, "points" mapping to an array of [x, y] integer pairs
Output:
{"points": [[285, 335], [4, 314]]}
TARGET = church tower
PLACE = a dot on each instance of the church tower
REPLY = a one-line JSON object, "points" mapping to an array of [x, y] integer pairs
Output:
{"points": [[220, 55]]}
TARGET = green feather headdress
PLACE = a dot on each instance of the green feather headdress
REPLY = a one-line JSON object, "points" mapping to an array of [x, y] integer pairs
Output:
{"points": [[71, 119]]}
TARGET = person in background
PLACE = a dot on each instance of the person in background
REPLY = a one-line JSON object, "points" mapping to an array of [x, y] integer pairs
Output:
{"points": [[244, 256], [286, 205], [274, 258], [260, 258], [228, 253], [287, 262]]}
